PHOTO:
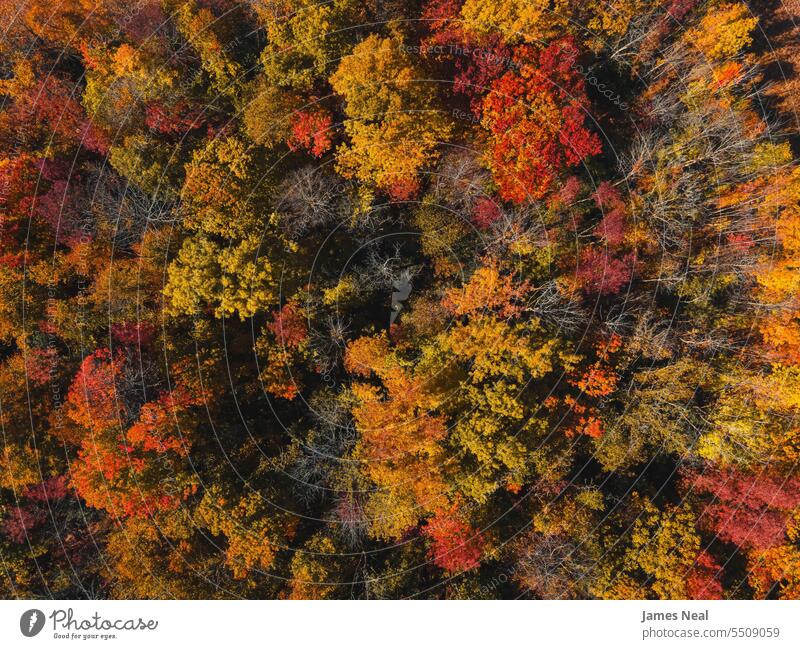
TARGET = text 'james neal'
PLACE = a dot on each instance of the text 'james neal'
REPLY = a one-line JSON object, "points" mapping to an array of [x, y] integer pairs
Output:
{"points": [[684, 615]]}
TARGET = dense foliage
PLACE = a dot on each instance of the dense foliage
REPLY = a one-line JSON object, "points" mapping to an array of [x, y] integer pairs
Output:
{"points": [[360, 299]]}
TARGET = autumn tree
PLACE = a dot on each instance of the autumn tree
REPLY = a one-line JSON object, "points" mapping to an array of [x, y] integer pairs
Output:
{"points": [[305, 39], [536, 117], [394, 123]]}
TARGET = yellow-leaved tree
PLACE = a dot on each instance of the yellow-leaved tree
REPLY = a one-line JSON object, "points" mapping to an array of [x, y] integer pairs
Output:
{"points": [[394, 122]]}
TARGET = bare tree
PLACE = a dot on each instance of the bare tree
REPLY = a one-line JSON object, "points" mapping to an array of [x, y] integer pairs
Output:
{"points": [[312, 198], [554, 307], [551, 566], [315, 470], [460, 180], [125, 209]]}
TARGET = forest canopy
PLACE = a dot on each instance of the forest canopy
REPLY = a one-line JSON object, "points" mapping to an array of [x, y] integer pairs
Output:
{"points": [[442, 299]]}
